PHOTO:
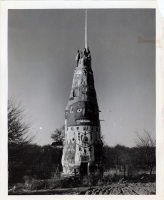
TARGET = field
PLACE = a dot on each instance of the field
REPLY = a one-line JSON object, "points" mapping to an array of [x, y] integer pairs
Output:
{"points": [[143, 184]]}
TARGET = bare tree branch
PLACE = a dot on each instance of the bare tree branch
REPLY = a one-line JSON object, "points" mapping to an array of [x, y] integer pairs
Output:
{"points": [[18, 126]]}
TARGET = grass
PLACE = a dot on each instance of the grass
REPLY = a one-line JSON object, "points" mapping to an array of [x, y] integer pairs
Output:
{"points": [[110, 177]]}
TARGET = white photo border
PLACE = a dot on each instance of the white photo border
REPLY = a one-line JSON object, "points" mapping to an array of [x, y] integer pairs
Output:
{"points": [[5, 6]]}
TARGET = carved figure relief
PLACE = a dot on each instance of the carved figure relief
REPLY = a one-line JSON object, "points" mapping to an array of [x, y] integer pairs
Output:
{"points": [[82, 113]]}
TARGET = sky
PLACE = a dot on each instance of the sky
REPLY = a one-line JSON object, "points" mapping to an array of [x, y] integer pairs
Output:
{"points": [[42, 46]]}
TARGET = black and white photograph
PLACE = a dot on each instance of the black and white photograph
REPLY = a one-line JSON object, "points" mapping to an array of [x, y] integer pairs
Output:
{"points": [[81, 101]]}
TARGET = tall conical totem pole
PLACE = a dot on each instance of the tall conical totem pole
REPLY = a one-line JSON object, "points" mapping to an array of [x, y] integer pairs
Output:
{"points": [[82, 148]]}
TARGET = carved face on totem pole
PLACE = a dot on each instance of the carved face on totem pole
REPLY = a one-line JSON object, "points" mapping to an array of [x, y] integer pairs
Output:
{"points": [[82, 113]]}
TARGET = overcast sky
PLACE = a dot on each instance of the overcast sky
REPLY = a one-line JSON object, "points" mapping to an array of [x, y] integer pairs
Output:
{"points": [[42, 46]]}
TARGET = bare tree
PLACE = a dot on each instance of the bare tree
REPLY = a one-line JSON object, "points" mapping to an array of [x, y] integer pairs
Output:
{"points": [[18, 127], [145, 140], [18, 136], [147, 146]]}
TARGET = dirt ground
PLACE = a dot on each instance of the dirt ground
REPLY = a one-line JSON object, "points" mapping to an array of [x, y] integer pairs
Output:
{"points": [[112, 189], [122, 189], [143, 184]]}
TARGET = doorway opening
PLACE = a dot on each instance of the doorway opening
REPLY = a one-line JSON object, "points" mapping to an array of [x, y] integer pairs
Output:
{"points": [[84, 169]]}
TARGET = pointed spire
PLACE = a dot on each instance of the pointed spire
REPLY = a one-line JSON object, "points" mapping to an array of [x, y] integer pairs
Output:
{"points": [[86, 29]]}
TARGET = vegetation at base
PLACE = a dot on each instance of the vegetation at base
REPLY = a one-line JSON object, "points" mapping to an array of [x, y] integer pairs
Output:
{"points": [[41, 163], [129, 161], [36, 167], [64, 185]]}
